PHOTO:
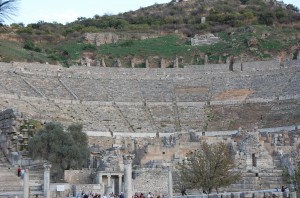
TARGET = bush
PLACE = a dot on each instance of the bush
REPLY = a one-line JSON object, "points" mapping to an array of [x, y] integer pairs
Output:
{"points": [[89, 47], [127, 43], [266, 18], [202, 26], [29, 45]]}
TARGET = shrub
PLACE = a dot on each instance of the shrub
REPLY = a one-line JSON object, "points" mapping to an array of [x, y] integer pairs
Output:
{"points": [[28, 44], [266, 18]]}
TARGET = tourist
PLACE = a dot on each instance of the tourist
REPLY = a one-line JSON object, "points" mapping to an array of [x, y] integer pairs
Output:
{"points": [[111, 195], [19, 171], [136, 195], [22, 173], [183, 192], [85, 195]]}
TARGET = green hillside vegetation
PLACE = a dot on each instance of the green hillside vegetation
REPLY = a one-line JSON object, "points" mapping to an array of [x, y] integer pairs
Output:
{"points": [[237, 22]]}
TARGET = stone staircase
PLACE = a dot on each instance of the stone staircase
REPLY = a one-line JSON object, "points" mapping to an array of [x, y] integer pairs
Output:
{"points": [[36, 179], [10, 184]]}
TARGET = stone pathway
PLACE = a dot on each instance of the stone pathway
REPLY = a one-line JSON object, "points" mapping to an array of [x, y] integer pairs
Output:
{"points": [[10, 183]]}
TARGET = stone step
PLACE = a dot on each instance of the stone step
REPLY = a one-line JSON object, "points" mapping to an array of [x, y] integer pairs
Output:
{"points": [[11, 188], [9, 181], [13, 194], [35, 188]]}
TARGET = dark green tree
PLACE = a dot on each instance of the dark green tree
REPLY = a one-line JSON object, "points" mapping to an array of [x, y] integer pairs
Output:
{"points": [[208, 168], [297, 177], [286, 177], [292, 7], [8, 8], [266, 17], [63, 149]]}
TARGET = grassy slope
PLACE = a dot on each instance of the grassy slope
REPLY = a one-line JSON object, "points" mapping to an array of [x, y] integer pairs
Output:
{"points": [[11, 51], [166, 47]]}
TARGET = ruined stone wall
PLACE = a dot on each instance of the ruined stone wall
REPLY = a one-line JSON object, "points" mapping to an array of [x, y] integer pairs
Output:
{"points": [[71, 190], [206, 39], [151, 180], [78, 176], [101, 38], [15, 133], [110, 37], [9, 135]]}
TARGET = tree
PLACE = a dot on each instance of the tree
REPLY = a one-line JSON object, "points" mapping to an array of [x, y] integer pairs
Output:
{"points": [[297, 177], [63, 149], [286, 177], [292, 7], [8, 8], [266, 17], [209, 168]]}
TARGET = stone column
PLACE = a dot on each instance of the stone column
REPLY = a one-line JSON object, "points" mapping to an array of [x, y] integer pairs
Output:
{"points": [[101, 182], [120, 184], [100, 178], [170, 182], [176, 62], [147, 63], [162, 63], [132, 63], [103, 62], [109, 180], [205, 59], [109, 186], [118, 63], [220, 60], [242, 64], [231, 62], [128, 175], [26, 184], [47, 180], [203, 19], [133, 144]]}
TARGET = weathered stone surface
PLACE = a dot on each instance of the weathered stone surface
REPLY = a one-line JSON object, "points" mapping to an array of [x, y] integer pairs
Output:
{"points": [[101, 38], [140, 103], [252, 42], [206, 39]]}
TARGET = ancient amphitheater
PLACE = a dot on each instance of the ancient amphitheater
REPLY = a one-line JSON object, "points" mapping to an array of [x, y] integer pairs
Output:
{"points": [[146, 101], [206, 101]]}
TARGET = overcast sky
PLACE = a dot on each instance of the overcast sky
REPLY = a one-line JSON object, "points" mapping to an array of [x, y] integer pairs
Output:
{"points": [[62, 11]]}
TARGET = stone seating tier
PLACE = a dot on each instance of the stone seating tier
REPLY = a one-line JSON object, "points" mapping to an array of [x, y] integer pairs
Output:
{"points": [[133, 91], [151, 100]]}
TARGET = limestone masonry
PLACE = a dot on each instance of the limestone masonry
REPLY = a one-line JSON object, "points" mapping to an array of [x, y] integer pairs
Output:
{"points": [[154, 116]]}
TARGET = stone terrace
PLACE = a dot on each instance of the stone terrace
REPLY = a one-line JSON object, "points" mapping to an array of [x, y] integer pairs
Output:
{"points": [[132, 100]]}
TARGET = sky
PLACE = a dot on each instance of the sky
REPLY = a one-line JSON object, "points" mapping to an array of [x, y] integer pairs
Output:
{"points": [[64, 11]]}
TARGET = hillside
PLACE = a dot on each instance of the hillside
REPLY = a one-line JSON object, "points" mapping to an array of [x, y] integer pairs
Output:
{"points": [[252, 29]]}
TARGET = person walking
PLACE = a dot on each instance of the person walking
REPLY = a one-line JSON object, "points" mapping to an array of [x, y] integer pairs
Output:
{"points": [[19, 171]]}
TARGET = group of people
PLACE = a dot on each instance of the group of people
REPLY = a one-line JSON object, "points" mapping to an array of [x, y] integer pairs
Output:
{"points": [[149, 195], [95, 195], [121, 195], [20, 172]]}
